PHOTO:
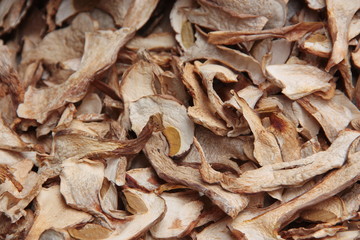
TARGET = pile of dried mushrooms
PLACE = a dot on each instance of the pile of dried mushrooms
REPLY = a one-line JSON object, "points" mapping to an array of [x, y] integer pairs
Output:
{"points": [[186, 119]]}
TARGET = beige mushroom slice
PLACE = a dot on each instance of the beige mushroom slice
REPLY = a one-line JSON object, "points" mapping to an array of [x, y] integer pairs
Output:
{"points": [[250, 94], [333, 115], [320, 231], [183, 210], [310, 127], [139, 13], [339, 17], [316, 4], [50, 209], [213, 70], [143, 178], [155, 41], [298, 80], [80, 184], [12, 12], [217, 230], [351, 202], [166, 169], [291, 33], [277, 175], [178, 128], [116, 8], [318, 44], [148, 209], [232, 58], [355, 56], [213, 16], [90, 104], [37, 104], [202, 113], [15, 198], [267, 225], [80, 144]]}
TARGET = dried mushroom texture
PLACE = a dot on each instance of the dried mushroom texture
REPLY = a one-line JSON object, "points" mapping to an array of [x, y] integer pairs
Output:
{"points": [[178, 128], [267, 225], [11, 13], [183, 210], [143, 178], [298, 80], [155, 41], [96, 59], [217, 230]]}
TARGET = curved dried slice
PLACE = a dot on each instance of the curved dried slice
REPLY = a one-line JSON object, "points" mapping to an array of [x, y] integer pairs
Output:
{"points": [[174, 116], [298, 80], [267, 225], [148, 209], [50, 208], [329, 210], [333, 115], [97, 58], [90, 231], [166, 169], [217, 230], [155, 41], [144, 178], [80, 184], [213, 16], [318, 44], [274, 10], [183, 210], [11, 13], [232, 58], [211, 70], [291, 33], [339, 16], [202, 113], [139, 13], [310, 127], [116, 8], [316, 4], [322, 230], [274, 176], [80, 144], [351, 202]]}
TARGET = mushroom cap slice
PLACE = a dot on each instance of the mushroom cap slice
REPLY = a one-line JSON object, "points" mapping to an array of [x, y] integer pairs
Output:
{"points": [[179, 129]]}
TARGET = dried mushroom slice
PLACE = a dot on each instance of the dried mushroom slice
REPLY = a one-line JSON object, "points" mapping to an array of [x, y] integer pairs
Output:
{"points": [[217, 230], [38, 104], [298, 80], [183, 210], [11, 13], [267, 225], [178, 128], [48, 215], [155, 41], [144, 178]]}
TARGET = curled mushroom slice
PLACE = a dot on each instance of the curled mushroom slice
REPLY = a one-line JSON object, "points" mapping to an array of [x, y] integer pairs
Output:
{"points": [[183, 210], [166, 169], [148, 209], [48, 214], [267, 225], [80, 144], [298, 80], [178, 128], [217, 230], [339, 17], [97, 58], [155, 41], [143, 178]]}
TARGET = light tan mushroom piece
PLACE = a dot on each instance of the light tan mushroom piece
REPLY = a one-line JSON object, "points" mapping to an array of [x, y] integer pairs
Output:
{"points": [[143, 178], [37, 104], [166, 169], [56, 215], [139, 13], [291, 33], [318, 43], [320, 231], [355, 56], [309, 125], [339, 17], [217, 230], [267, 225], [333, 115], [232, 58], [298, 80], [183, 210], [155, 41], [213, 16], [178, 128], [316, 4], [11, 13]]}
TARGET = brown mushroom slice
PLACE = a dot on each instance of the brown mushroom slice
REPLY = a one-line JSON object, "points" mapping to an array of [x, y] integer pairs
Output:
{"points": [[339, 16], [267, 225], [183, 210], [50, 209], [291, 33], [155, 41], [178, 128], [11, 14], [298, 80], [250, 94], [148, 209], [202, 113], [277, 175], [90, 231], [217, 230], [80, 144], [37, 104], [166, 169], [232, 58], [318, 44], [266, 148], [310, 127], [322, 231], [144, 178], [333, 115], [355, 56], [80, 184], [116, 8], [139, 13], [211, 70], [213, 16]]}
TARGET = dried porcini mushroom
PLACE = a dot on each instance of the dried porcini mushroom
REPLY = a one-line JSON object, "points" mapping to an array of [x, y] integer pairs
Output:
{"points": [[184, 119]]}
